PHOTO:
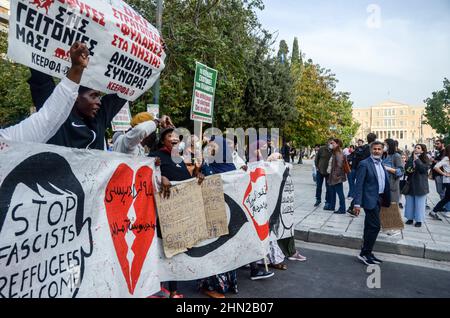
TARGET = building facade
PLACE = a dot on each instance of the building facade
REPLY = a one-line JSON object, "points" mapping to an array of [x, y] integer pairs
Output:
{"points": [[398, 121]]}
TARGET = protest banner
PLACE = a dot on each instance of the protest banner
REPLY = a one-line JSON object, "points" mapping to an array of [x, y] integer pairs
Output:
{"points": [[80, 223], [121, 122], [127, 55], [182, 218], [203, 95]]}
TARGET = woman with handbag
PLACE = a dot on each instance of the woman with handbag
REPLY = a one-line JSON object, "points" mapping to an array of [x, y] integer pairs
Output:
{"points": [[337, 176], [416, 188], [395, 167]]}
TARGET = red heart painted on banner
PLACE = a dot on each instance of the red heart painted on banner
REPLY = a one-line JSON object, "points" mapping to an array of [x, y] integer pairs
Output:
{"points": [[120, 194], [254, 191]]}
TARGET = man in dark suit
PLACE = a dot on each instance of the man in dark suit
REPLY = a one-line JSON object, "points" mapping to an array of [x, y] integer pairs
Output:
{"points": [[372, 191]]}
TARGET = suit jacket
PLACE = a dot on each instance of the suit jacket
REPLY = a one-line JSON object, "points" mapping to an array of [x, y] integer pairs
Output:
{"points": [[366, 192]]}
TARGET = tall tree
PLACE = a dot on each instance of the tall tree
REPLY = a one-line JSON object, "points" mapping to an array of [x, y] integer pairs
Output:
{"points": [[437, 111], [296, 57], [283, 52]]}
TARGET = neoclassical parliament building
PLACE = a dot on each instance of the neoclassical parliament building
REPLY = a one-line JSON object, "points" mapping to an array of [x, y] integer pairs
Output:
{"points": [[395, 120]]}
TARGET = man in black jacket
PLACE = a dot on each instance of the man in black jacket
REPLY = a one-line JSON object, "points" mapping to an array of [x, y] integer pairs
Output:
{"points": [[86, 125], [361, 153]]}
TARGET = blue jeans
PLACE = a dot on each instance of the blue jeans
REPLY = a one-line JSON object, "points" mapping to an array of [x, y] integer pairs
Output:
{"points": [[415, 208], [337, 189], [351, 183], [319, 182]]}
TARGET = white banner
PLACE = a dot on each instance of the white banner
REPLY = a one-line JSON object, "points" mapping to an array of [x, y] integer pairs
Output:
{"points": [[83, 223], [126, 51]]}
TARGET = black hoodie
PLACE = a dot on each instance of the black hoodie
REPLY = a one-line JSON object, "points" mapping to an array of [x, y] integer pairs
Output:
{"points": [[76, 132]]}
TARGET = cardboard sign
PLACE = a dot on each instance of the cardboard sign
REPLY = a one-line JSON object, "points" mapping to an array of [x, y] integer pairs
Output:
{"points": [[214, 206], [182, 218]]}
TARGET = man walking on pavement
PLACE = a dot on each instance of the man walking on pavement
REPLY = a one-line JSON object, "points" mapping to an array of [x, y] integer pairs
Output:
{"points": [[321, 162], [372, 191]]}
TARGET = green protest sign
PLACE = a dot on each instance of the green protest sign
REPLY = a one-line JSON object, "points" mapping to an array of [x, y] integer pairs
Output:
{"points": [[203, 96]]}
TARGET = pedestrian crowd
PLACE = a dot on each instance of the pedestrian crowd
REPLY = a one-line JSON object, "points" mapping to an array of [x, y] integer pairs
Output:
{"points": [[379, 175]]}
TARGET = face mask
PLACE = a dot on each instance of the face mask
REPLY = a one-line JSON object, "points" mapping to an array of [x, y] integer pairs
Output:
{"points": [[385, 149], [330, 147]]}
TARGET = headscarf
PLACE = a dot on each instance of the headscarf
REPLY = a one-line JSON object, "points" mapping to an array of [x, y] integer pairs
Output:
{"points": [[255, 147], [224, 152]]}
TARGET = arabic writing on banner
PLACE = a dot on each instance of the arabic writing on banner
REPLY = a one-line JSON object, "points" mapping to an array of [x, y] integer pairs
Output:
{"points": [[127, 55], [79, 223]]}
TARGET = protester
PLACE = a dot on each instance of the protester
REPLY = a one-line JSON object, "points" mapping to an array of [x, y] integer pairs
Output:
{"points": [[442, 168], [287, 245], [192, 156], [321, 162], [143, 126], [438, 178], [239, 163], [393, 164], [86, 125], [42, 125], [220, 161], [337, 176], [371, 192], [172, 170], [417, 185]]}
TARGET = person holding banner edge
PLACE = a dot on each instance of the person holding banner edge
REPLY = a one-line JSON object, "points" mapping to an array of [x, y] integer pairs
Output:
{"points": [[55, 109]]}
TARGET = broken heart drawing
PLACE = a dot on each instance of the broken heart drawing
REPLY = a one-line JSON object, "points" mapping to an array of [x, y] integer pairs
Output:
{"points": [[130, 208]]}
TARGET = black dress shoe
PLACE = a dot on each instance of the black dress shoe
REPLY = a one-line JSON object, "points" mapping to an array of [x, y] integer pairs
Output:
{"points": [[409, 222], [375, 259], [418, 224], [317, 204], [400, 206]]}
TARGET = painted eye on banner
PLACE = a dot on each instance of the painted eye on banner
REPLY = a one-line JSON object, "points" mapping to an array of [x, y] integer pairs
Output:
{"points": [[255, 202]]}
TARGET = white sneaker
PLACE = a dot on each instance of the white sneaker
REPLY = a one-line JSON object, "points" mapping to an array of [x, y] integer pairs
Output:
{"points": [[393, 233], [297, 257]]}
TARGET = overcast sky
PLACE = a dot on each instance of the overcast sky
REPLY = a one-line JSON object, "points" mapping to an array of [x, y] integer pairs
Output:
{"points": [[403, 55]]}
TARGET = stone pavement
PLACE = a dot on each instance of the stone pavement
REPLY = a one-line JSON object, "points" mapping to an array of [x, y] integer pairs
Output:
{"points": [[431, 241]]}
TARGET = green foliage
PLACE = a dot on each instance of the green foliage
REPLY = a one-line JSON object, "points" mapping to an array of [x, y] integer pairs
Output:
{"points": [[437, 111], [283, 52], [296, 57], [15, 97], [322, 112]]}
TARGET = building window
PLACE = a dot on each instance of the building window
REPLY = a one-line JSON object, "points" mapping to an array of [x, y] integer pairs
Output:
{"points": [[401, 135], [393, 112]]}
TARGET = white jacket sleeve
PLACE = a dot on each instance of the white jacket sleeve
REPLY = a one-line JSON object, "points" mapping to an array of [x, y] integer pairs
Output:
{"points": [[128, 142], [43, 125]]}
